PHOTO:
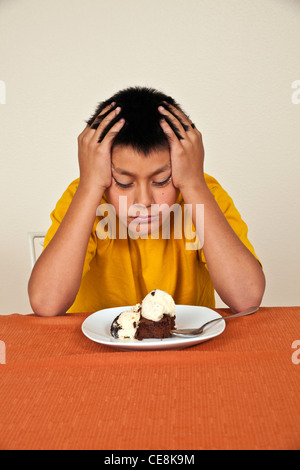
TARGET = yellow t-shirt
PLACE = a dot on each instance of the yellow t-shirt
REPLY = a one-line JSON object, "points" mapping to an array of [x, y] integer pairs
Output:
{"points": [[119, 272]]}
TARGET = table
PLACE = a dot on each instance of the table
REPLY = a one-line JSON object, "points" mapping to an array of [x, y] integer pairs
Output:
{"points": [[59, 390]]}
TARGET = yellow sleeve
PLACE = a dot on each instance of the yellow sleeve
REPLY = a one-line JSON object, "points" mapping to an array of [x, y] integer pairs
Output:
{"points": [[57, 216], [231, 213]]}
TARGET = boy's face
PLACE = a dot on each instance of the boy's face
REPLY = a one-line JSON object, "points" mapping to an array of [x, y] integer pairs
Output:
{"points": [[144, 180]]}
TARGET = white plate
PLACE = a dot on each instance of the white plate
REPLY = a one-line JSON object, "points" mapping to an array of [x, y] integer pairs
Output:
{"points": [[97, 328]]}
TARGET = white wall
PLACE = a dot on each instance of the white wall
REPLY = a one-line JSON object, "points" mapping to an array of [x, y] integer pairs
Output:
{"points": [[231, 65]]}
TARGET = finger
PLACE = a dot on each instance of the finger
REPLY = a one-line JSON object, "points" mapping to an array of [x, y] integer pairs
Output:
{"points": [[87, 133], [113, 131], [181, 116], [184, 120], [169, 132], [111, 116], [98, 119], [89, 130], [177, 125]]}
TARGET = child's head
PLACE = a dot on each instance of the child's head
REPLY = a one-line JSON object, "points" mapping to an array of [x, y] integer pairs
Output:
{"points": [[141, 164], [139, 107]]}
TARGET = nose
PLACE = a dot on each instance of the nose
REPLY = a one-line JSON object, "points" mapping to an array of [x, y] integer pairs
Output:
{"points": [[143, 195]]}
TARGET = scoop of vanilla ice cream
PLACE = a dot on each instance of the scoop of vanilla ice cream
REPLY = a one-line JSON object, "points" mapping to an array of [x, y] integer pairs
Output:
{"points": [[156, 304], [126, 324]]}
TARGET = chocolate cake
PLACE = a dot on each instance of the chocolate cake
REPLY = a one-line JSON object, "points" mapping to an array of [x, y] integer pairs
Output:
{"points": [[155, 318], [155, 329]]}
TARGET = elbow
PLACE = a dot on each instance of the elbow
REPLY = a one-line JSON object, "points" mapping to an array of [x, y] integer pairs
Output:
{"points": [[242, 305], [48, 299], [45, 310], [251, 297], [42, 307]]}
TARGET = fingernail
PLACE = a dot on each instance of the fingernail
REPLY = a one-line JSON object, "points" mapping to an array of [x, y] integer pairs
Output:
{"points": [[118, 109], [161, 108]]}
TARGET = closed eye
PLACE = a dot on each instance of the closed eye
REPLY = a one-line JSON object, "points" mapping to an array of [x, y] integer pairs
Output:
{"points": [[121, 184], [162, 183], [156, 183]]}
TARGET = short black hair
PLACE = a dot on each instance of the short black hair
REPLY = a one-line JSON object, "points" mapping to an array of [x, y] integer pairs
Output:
{"points": [[139, 107]]}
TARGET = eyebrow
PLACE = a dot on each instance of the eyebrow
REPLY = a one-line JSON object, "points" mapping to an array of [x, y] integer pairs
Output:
{"points": [[156, 172]]}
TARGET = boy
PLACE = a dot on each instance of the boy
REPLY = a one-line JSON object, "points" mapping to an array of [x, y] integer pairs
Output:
{"points": [[140, 148]]}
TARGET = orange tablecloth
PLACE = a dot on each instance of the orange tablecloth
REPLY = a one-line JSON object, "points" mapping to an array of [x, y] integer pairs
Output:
{"points": [[59, 390]]}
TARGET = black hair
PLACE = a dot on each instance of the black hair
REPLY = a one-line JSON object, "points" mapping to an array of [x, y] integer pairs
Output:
{"points": [[139, 107]]}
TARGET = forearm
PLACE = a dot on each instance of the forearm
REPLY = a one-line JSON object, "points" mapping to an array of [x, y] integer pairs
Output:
{"points": [[235, 272], [56, 276]]}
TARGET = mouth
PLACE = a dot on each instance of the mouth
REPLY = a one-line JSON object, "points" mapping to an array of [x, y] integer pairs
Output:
{"points": [[144, 219]]}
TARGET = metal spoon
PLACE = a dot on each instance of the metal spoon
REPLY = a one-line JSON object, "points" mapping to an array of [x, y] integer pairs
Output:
{"points": [[198, 331]]}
